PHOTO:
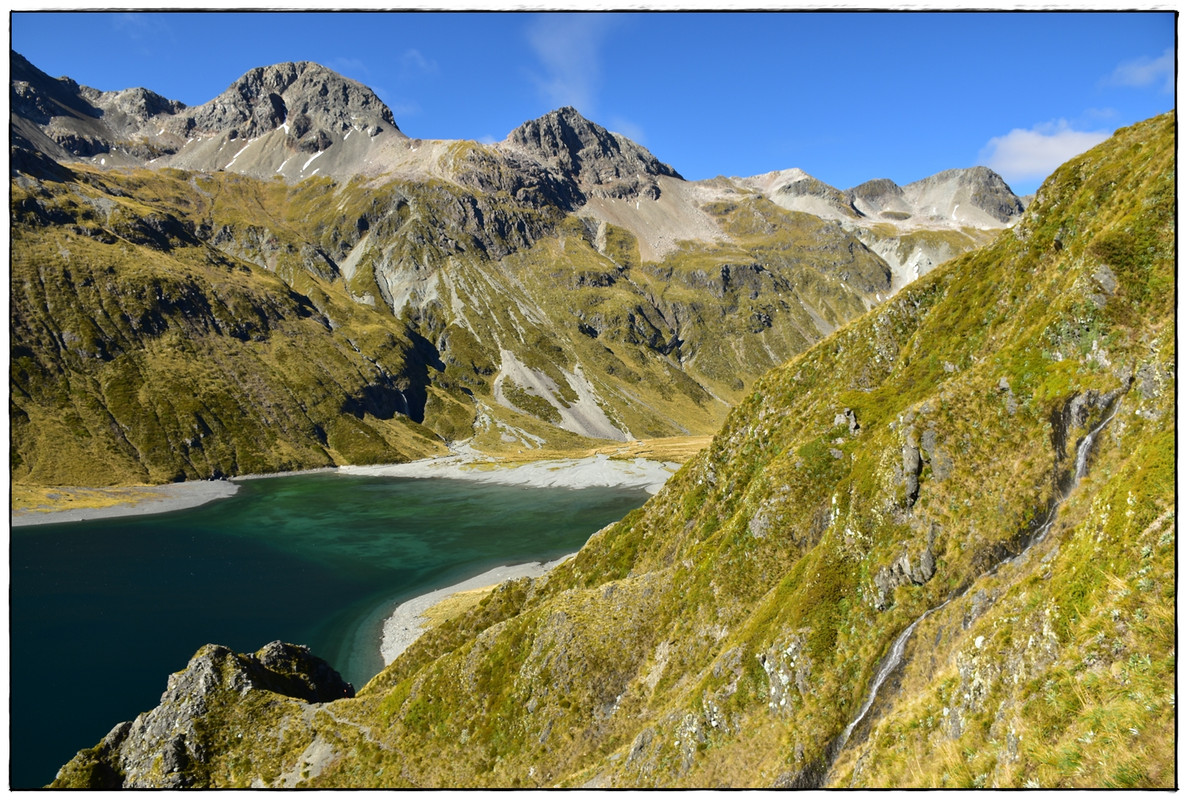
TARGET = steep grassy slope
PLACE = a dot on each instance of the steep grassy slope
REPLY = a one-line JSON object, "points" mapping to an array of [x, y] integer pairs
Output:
{"points": [[141, 354], [727, 633]]}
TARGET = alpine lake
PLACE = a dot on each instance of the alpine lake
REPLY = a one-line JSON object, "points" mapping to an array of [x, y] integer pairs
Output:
{"points": [[101, 612]]}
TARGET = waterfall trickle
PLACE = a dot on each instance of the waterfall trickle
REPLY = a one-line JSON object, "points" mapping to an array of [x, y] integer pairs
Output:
{"points": [[895, 656]]}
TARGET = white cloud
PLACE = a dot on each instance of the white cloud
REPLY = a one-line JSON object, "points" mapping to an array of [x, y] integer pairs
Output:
{"points": [[568, 47], [628, 129], [414, 61], [1145, 71], [1023, 155], [136, 26], [349, 66], [145, 32]]}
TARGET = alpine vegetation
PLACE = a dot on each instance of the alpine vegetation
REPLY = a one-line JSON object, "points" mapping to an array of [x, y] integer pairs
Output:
{"points": [[931, 542]]}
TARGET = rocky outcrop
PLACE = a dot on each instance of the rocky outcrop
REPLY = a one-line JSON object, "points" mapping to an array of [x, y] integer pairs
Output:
{"points": [[314, 103], [169, 746], [599, 162], [904, 571], [813, 196], [880, 197]]}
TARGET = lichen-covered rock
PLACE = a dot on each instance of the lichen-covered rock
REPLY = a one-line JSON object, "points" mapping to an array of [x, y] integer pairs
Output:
{"points": [[169, 746]]}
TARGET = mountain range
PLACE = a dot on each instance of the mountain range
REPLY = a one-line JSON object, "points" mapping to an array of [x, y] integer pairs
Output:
{"points": [[561, 286], [931, 543]]}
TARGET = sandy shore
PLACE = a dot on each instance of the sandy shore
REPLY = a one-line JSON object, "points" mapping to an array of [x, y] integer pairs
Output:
{"points": [[574, 473], [407, 623], [567, 473], [149, 500]]}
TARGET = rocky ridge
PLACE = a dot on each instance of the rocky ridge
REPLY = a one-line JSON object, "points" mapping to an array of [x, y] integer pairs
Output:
{"points": [[168, 746], [599, 162], [914, 228], [272, 121], [470, 292]]}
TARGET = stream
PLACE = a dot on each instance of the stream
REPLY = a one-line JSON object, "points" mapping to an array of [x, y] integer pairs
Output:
{"points": [[895, 656]]}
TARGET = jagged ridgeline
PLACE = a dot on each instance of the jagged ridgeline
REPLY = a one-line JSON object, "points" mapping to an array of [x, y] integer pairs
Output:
{"points": [[281, 279], [728, 632]]}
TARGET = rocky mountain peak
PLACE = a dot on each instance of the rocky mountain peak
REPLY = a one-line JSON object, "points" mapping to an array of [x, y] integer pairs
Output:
{"points": [[603, 163], [881, 195], [288, 112], [38, 97], [975, 194], [307, 97]]}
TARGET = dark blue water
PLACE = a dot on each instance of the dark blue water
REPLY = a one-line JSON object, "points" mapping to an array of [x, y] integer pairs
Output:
{"points": [[102, 612]]}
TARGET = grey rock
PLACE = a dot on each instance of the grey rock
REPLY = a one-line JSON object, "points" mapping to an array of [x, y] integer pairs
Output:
{"points": [[902, 571], [912, 466], [1003, 385], [941, 463], [601, 163], [1105, 279], [957, 192], [311, 97], [880, 197], [166, 747], [808, 187]]}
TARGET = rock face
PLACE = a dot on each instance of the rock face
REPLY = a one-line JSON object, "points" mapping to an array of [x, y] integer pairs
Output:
{"points": [[313, 101], [601, 163], [881, 197], [168, 746], [296, 108], [975, 196]]}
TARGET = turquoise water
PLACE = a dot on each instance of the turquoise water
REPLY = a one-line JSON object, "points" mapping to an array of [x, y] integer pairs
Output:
{"points": [[102, 612]]}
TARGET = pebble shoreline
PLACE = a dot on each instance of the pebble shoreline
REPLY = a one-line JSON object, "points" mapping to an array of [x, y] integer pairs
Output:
{"points": [[166, 498], [406, 623]]}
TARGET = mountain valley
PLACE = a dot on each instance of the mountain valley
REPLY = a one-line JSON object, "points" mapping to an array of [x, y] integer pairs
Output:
{"points": [[943, 437], [561, 287]]}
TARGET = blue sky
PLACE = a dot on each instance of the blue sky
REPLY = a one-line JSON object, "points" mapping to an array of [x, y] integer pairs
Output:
{"points": [[847, 96]]}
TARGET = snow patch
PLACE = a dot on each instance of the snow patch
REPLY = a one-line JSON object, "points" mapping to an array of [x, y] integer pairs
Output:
{"points": [[311, 158], [236, 156]]}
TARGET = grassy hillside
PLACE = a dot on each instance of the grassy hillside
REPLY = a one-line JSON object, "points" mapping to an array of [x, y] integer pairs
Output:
{"points": [[141, 354], [727, 633]]}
